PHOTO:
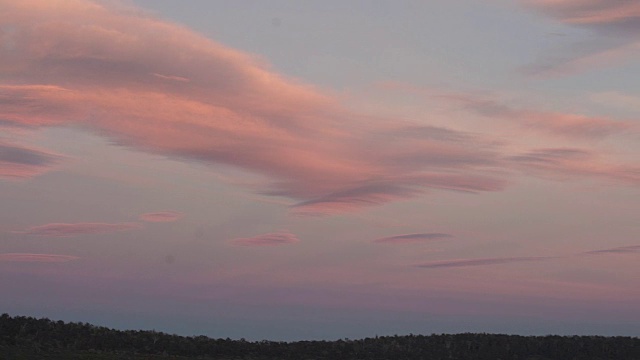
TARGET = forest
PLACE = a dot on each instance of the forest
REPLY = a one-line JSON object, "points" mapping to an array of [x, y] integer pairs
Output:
{"points": [[30, 338]]}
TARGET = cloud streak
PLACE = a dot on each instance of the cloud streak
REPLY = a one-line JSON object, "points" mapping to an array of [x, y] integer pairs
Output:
{"points": [[603, 14], [270, 239], [479, 262], [565, 125], [618, 250], [456, 263], [412, 238], [566, 163], [161, 216], [68, 230], [41, 258]]}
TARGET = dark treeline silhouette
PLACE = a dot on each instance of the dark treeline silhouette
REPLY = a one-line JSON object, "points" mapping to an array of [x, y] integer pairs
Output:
{"points": [[29, 338]]}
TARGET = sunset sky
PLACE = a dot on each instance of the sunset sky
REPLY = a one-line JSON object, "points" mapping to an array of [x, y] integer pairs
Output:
{"points": [[291, 170]]}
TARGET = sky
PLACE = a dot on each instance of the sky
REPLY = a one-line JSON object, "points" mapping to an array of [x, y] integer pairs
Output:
{"points": [[290, 170]]}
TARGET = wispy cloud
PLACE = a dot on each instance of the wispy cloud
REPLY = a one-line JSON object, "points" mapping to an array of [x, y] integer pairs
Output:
{"points": [[26, 257], [607, 15], [617, 250], [19, 162], [616, 22], [161, 216], [479, 262], [566, 163], [455, 263], [270, 239], [164, 89], [536, 119], [566, 125], [67, 230], [171, 77], [412, 238], [452, 263]]}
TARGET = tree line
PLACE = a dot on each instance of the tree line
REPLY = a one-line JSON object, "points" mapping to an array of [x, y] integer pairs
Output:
{"points": [[28, 337]]}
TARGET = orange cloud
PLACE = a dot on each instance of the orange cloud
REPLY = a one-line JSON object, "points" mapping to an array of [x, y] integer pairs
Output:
{"points": [[271, 239], [48, 258], [66, 230]]}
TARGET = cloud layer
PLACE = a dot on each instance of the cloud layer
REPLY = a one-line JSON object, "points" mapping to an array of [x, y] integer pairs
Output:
{"points": [[155, 86], [270, 239], [159, 87], [43, 258], [67, 230]]}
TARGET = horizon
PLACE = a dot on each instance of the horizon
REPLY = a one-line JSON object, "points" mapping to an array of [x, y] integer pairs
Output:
{"points": [[322, 170], [327, 339]]}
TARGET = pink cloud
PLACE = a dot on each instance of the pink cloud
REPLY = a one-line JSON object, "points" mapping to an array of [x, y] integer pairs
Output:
{"points": [[270, 239], [158, 87], [479, 262], [566, 125], [412, 238], [66, 230], [171, 77], [617, 21], [584, 57], [592, 12], [161, 216], [567, 163], [19, 162], [48, 258]]}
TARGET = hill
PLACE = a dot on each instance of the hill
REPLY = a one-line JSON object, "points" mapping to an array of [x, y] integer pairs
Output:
{"points": [[29, 338]]}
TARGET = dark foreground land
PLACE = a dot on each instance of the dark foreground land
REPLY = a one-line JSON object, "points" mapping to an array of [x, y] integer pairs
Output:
{"points": [[30, 338]]}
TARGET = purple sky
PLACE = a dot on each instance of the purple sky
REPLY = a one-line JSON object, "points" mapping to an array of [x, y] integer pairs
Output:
{"points": [[294, 170]]}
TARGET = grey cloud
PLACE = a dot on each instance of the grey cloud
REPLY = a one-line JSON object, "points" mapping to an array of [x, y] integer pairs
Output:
{"points": [[618, 250], [24, 156], [552, 156], [22, 162]]}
